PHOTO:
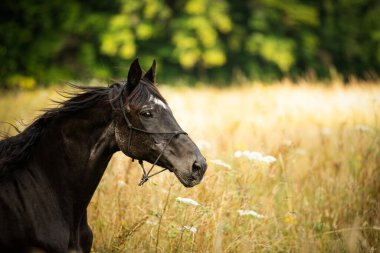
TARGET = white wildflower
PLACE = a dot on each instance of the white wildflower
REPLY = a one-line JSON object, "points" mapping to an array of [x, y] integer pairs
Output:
{"points": [[257, 156], [251, 213], [238, 154], [190, 228], [268, 159], [246, 152], [121, 183], [202, 144], [221, 163], [187, 201]]}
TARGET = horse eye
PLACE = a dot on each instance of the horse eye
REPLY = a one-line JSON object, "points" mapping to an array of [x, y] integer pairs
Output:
{"points": [[146, 114]]}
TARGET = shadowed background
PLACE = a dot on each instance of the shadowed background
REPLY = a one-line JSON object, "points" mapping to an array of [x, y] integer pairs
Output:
{"points": [[45, 42]]}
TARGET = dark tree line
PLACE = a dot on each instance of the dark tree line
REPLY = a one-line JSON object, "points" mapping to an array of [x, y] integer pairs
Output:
{"points": [[44, 42]]}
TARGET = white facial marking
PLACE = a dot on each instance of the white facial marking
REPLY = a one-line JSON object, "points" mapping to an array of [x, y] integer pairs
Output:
{"points": [[158, 102]]}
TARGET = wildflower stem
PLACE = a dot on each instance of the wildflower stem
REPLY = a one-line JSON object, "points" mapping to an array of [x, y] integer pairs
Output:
{"points": [[192, 243], [161, 216], [288, 193], [182, 231]]}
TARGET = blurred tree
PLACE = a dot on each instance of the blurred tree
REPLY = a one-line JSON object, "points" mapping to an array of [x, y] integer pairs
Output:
{"points": [[45, 41], [181, 32], [51, 40], [349, 37]]}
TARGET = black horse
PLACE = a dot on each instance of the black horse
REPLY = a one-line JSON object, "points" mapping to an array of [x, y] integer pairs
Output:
{"points": [[49, 172]]}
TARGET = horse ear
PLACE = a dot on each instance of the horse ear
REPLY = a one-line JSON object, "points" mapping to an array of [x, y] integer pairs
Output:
{"points": [[151, 74], [134, 74]]}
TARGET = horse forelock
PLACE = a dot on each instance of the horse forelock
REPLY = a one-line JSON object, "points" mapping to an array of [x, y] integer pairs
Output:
{"points": [[142, 94]]}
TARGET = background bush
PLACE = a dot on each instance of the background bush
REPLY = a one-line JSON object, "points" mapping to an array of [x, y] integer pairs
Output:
{"points": [[44, 42]]}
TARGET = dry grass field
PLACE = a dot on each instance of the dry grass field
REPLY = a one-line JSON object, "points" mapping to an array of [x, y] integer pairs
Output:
{"points": [[321, 193]]}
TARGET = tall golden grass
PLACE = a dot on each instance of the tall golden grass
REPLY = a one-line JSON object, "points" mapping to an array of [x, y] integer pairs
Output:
{"points": [[322, 194]]}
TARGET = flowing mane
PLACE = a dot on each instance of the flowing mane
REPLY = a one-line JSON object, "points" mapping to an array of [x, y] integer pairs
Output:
{"points": [[16, 150]]}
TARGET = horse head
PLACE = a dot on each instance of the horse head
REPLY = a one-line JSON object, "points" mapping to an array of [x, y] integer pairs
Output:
{"points": [[146, 130]]}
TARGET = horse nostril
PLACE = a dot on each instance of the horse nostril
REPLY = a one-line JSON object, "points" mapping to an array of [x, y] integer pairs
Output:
{"points": [[197, 171]]}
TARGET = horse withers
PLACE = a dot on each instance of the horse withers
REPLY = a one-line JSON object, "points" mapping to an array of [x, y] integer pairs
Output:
{"points": [[50, 171]]}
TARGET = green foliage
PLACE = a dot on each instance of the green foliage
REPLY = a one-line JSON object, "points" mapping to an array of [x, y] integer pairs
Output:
{"points": [[50, 41], [273, 49]]}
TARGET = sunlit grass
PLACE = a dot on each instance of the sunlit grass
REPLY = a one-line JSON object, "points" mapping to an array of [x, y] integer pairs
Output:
{"points": [[320, 194]]}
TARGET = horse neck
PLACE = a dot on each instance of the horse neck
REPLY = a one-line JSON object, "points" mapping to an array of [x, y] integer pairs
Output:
{"points": [[74, 152]]}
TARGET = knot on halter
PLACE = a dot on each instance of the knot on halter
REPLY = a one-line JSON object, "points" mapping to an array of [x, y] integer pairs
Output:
{"points": [[144, 178], [146, 175]]}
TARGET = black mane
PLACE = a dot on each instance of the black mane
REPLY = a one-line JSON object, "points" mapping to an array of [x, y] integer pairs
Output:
{"points": [[16, 150]]}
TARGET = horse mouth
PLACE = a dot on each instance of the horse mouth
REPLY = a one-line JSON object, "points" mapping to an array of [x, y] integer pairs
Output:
{"points": [[188, 183], [185, 181], [188, 177]]}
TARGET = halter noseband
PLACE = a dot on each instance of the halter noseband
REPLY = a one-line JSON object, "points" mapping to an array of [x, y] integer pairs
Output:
{"points": [[146, 175]]}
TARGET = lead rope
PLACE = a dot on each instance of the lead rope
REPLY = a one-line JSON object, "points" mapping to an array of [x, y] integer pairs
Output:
{"points": [[145, 177]]}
